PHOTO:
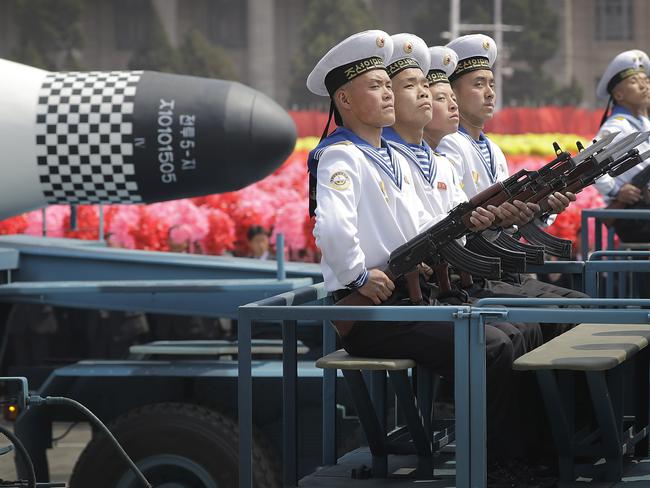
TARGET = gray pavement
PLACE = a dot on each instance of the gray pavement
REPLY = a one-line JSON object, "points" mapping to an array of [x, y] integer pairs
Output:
{"points": [[61, 457]]}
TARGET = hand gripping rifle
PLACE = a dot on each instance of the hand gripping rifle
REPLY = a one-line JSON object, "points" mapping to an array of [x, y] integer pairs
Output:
{"points": [[640, 181], [543, 188], [434, 246], [439, 242], [631, 230], [615, 159], [504, 245], [514, 255]]}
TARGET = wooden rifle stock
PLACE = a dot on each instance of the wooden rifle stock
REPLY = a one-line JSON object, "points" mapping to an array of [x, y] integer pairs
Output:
{"points": [[442, 276], [482, 199], [357, 299]]}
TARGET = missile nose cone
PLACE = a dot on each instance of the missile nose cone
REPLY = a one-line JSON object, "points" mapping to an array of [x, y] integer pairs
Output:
{"points": [[273, 133], [258, 136], [133, 136]]}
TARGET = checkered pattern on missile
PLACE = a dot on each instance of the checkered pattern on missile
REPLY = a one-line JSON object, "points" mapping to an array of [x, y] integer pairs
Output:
{"points": [[84, 137]]}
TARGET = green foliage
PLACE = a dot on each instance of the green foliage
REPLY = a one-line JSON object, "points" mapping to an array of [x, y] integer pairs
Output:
{"points": [[199, 57], [49, 33], [326, 23]]}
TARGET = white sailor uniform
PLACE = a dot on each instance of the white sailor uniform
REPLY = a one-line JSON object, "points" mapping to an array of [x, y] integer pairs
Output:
{"points": [[366, 206], [478, 165], [435, 182], [625, 123], [363, 212]]}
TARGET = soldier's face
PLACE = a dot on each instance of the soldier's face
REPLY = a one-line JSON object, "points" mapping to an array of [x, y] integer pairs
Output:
{"points": [[445, 109], [632, 91], [475, 94], [369, 99], [412, 98]]}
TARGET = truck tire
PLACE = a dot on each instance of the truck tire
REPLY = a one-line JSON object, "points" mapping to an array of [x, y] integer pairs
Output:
{"points": [[175, 445]]}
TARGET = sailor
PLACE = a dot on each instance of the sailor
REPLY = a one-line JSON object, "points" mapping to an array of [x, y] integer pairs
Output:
{"points": [[625, 86], [433, 177], [413, 88], [479, 162], [365, 206]]}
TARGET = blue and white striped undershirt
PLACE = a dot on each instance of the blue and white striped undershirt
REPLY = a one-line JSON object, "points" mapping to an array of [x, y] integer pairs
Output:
{"points": [[423, 158], [384, 154], [485, 150]]}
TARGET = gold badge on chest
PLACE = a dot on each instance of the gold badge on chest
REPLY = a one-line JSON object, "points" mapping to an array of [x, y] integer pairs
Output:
{"points": [[382, 187]]}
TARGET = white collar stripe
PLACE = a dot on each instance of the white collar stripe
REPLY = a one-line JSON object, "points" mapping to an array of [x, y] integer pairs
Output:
{"points": [[384, 158], [421, 156]]}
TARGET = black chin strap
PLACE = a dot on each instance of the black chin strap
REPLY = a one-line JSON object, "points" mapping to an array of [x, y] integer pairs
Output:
{"points": [[329, 119], [312, 177], [606, 113]]}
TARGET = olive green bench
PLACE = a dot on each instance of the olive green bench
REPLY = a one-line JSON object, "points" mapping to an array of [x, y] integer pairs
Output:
{"points": [[613, 358], [418, 436]]}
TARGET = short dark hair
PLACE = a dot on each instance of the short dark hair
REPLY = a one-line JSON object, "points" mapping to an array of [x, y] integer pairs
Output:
{"points": [[255, 230]]}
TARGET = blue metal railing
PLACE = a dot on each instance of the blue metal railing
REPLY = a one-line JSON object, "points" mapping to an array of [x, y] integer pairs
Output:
{"points": [[311, 303], [621, 275], [620, 269], [599, 216]]}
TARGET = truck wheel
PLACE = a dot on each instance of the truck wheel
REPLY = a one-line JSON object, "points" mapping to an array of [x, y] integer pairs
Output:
{"points": [[176, 446]]}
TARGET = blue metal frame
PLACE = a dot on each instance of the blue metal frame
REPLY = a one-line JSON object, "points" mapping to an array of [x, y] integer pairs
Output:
{"points": [[290, 307], [599, 215], [469, 362], [617, 263], [56, 259]]}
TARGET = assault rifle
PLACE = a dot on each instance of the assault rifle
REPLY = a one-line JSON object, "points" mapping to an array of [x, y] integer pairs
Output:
{"points": [[532, 186], [434, 246], [513, 254], [439, 243], [539, 190], [615, 159]]}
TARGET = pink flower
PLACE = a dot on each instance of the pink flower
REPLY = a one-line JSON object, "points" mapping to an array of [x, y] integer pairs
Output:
{"points": [[55, 217], [125, 219]]}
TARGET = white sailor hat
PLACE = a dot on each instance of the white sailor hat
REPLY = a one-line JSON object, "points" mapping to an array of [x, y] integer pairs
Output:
{"points": [[624, 65], [475, 51], [443, 64], [409, 51], [358, 54]]}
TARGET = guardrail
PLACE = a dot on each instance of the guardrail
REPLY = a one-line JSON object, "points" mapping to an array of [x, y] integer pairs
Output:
{"points": [[469, 346], [598, 216]]}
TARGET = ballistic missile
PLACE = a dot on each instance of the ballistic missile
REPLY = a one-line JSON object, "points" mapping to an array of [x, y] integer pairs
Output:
{"points": [[131, 137]]}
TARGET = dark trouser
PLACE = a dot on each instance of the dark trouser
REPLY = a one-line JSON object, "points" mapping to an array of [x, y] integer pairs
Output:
{"points": [[633, 230], [532, 288], [524, 336], [431, 345]]}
